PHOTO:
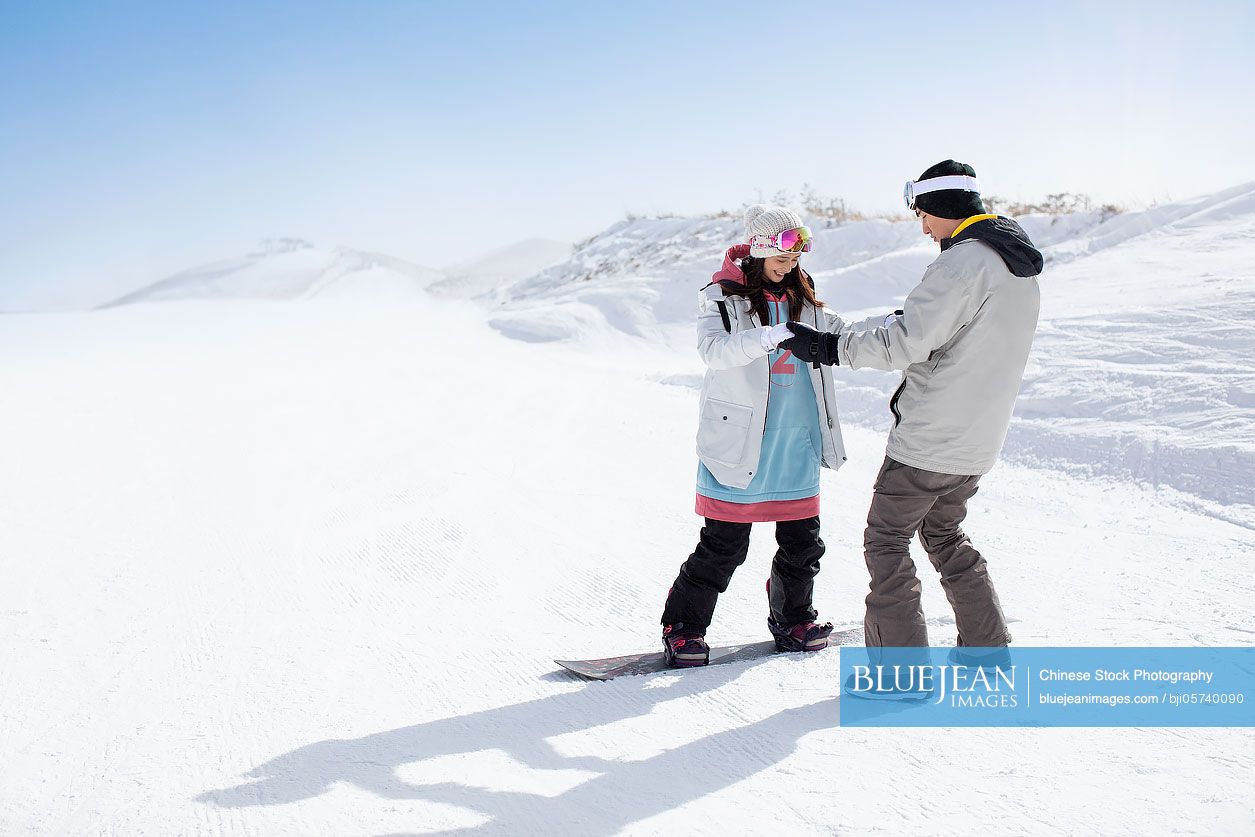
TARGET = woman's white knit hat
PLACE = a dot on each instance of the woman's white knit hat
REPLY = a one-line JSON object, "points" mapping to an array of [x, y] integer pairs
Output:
{"points": [[764, 220]]}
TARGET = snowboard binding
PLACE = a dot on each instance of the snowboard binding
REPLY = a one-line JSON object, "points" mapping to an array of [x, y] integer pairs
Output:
{"points": [[683, 648], [804, 636]]}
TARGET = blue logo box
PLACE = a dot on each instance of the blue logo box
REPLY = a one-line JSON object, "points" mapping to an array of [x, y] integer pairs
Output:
{"points": [[1047, 687]]}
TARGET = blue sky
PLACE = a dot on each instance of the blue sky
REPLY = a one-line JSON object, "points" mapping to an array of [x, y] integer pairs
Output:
{"points": [[137, 139]]}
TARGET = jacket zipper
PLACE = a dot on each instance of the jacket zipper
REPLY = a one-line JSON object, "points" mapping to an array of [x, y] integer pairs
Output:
{"points": [[893, 402], [824, 389], [767, 403]]}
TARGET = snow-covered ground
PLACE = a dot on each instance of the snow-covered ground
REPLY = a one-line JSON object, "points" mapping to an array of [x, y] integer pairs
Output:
{"points": [[302, 567]]}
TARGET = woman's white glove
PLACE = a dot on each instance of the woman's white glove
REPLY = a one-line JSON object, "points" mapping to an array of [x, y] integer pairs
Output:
{"points": [[771, 336]]}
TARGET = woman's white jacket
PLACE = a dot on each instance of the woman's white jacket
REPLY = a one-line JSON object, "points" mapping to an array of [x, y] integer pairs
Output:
{"points": [[736, 388]]}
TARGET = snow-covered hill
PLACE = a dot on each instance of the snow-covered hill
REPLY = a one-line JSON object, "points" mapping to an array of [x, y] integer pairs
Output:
{"points": [[501, 267], [1144, 366], [291, 268]]}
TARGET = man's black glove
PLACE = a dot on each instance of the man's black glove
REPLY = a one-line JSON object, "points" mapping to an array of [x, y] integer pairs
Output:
{"points": [[811, 346]]}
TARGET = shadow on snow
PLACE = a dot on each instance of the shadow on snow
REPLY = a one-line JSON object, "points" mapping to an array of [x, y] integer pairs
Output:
{"points": [[620, 793]]}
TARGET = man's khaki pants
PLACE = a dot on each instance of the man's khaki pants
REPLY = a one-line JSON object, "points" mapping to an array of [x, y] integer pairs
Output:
{"points": [[907, 500]]}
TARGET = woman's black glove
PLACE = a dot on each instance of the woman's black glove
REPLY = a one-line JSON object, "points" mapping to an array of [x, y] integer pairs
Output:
{"points": [[811, 346]]}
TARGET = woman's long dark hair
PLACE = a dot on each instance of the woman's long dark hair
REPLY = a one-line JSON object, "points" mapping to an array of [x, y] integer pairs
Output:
{"points": [[799, 289]]}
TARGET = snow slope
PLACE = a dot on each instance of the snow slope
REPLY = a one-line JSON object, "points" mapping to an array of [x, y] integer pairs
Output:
{"points": [[301, 569], [468, 279], [291, 268], [1143, 367]]}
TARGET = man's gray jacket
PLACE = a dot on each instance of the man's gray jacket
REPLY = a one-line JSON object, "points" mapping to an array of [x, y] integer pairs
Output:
{"points": [[962, 339]]}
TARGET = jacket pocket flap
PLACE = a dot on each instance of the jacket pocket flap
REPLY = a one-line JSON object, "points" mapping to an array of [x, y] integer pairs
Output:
{"points": [[726, 412]]}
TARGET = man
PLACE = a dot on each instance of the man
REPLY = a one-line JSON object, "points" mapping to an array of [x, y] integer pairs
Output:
{"points": [[962, 339]]}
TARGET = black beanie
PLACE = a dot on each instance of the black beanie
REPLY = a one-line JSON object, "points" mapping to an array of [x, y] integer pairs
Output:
{"points": [[949, 203]]}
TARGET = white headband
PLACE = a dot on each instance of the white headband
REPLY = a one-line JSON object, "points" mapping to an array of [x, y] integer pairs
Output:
{"points": [[949, 181]]}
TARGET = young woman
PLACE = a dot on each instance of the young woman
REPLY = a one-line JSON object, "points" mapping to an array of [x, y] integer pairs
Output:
{"points": [[767, 424]]}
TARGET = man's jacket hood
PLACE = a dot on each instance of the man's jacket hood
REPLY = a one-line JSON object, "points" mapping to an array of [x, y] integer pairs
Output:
{"points": [[1008, 240]]}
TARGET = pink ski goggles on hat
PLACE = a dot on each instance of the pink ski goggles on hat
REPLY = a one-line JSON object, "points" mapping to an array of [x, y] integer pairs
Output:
{"points": [[797, 240]]}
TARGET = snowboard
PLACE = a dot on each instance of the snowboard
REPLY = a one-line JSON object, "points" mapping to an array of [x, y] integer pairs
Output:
{"points": [[609, 668]]}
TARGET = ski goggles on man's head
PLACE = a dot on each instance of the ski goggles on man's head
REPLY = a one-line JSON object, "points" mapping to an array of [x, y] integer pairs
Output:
{"points": [[797, 240], [915, 188]]}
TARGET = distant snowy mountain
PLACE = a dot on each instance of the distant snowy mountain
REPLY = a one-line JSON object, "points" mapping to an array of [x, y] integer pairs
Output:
{"points": [[475, 277], [1144, 363], [291, 268]]}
